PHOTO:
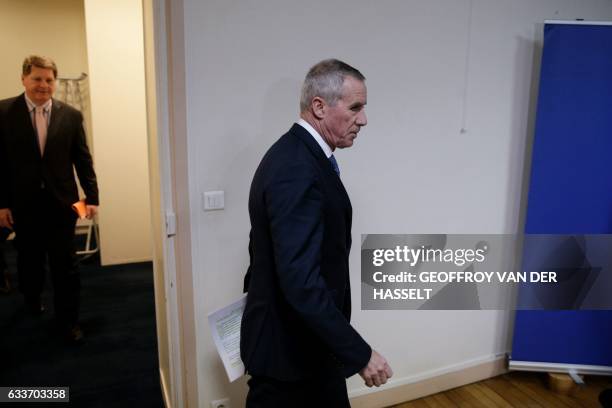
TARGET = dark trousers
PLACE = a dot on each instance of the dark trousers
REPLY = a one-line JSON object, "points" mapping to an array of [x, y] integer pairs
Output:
{"points": [[605, 398], [45, 231], [326, 391]]}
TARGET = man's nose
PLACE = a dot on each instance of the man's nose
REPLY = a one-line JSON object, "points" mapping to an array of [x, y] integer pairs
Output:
{"points": [[362, 119]]}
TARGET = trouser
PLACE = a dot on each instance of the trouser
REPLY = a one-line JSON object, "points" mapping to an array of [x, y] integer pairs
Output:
{"points": [[45, 231], [326, 391]]}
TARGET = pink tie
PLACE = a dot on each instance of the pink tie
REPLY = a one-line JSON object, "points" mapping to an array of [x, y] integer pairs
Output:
{"points": [[41, 128]]}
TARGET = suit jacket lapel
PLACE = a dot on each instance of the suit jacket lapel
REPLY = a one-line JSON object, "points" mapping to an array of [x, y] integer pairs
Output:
{"points": [[325, 165], [329, 174], [23, 121], [56, 114], [323, 161]]}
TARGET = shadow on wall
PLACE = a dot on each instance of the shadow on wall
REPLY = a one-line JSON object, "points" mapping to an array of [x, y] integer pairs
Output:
{"points": [[279, 111], [528, 54]]}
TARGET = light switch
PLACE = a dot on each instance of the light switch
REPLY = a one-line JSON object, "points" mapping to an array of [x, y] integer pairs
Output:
{"points": [[214, 200], [170, 223]]}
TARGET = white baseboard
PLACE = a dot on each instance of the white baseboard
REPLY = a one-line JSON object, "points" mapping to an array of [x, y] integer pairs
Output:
{"points": [[431, 382], [164, 389]]}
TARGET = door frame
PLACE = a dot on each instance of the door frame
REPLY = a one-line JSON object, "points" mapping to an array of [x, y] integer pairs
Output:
{"points": [[166, 100]]}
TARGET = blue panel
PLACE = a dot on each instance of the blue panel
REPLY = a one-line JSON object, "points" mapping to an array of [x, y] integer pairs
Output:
{"points": [[571, 183], [569, 337]]}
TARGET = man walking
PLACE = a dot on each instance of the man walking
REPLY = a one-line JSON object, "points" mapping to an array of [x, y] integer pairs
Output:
{"points": [[296, 340], [41, 141]]}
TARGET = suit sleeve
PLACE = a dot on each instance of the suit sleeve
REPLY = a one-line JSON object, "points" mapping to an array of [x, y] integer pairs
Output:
{"points": [[295, 208], [83, 163]]}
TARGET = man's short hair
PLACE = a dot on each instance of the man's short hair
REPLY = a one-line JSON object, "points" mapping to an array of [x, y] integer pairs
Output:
{"points": [[325, 80], [40, 62]]}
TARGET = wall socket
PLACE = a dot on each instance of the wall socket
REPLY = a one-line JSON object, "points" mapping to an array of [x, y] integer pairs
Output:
{"points": [[222, 403]]}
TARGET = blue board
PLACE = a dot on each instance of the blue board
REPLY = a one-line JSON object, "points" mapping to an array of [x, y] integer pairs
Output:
{"points": [[571, 184]]}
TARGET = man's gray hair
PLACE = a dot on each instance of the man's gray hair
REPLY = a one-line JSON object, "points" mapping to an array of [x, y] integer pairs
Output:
{"points": [[325, 80]]}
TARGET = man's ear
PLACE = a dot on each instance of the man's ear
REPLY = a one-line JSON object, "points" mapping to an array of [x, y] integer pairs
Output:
{"points": [[318, 107]]}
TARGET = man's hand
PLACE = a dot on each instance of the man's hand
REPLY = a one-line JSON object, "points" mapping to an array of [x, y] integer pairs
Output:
{"points": [[91, 211], [6, 218], [377, 371]]}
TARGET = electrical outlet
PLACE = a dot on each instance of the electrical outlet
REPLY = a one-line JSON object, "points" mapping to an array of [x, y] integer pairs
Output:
{"points": [[222, 403]]}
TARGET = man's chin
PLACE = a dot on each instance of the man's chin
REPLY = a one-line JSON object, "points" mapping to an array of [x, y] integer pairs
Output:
{"points": [[349, 142], [41, 99]]}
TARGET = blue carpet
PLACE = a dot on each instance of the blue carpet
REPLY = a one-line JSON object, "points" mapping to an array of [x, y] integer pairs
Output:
{"points": [[117, 366]]}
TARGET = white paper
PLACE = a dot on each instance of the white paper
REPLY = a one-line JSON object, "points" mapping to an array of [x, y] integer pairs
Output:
{"points": [[224, 325]]}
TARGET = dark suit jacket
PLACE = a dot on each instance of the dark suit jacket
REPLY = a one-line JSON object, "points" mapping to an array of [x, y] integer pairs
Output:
{"points": [[23, 170], [296, 319]]}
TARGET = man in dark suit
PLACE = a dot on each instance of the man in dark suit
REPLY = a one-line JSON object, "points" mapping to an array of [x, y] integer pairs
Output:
{"points": [[296, 340], [41, 141]]}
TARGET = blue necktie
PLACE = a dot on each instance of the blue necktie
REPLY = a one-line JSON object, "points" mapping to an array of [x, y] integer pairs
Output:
{"points": [[334, 164]]}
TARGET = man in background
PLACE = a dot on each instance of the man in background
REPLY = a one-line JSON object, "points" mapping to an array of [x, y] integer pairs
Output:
{"points": [[296, 340], [41, 141]]}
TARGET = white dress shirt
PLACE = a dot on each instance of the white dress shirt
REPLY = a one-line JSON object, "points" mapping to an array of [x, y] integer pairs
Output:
{"points": [[326, 149]]}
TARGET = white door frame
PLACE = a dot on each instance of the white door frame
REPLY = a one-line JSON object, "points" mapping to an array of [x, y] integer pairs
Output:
{"points": [[168, 32]]}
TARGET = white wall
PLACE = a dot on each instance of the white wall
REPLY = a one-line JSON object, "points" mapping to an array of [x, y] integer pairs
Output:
{"points": [[117, 86], [411, 170]]}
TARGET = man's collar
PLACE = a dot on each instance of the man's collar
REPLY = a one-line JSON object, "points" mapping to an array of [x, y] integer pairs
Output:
{"points": [[326, 149], [31, 105]]}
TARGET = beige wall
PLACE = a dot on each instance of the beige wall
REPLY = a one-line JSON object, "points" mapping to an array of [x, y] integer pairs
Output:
{"points": [[52, 28], [117, 86], [57, 29], [61, 23]]}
